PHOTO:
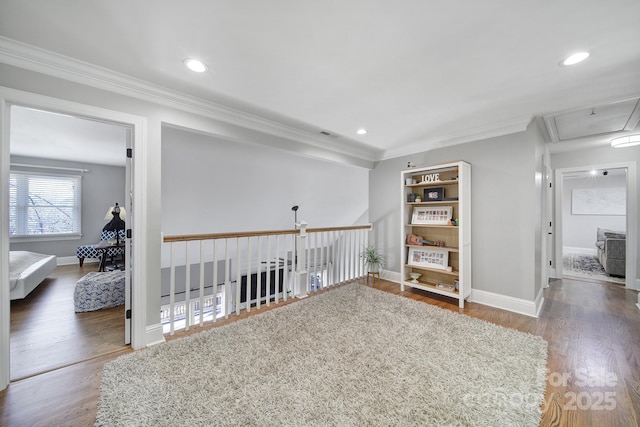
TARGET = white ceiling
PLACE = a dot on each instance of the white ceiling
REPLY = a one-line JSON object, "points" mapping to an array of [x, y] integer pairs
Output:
{"points": [[417, 74], [36, 133]]}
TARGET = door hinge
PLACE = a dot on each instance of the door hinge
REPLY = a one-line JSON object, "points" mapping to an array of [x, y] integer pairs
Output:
{"points": [[129, 233], [127, 314], [129, 153]]}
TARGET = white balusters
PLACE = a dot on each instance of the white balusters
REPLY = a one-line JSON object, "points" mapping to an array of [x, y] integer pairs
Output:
{"points": [[267, 263], [227, 281], [215, 284], [172, 291], [187, 288], [247, 283], [201, 294], [238, 277], [300, 260], [278, 269]]}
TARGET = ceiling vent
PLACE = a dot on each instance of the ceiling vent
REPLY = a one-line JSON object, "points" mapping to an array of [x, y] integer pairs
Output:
{"points": [[599, 120], [329, 134]]}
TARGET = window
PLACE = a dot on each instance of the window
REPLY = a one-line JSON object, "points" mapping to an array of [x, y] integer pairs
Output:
{"points": [[44, 205]]}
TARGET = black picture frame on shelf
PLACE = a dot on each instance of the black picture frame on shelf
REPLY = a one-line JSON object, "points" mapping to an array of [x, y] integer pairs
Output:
{"points": [[433, 194]]}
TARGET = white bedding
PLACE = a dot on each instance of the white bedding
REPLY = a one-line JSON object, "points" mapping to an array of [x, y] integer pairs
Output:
{"points": [[27, 270]]}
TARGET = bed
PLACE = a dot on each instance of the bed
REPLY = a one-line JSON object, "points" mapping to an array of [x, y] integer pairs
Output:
{"points": [[27, 270]]}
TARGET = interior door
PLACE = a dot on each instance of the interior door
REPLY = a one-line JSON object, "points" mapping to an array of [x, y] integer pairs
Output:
{"points": [[128, 255]]}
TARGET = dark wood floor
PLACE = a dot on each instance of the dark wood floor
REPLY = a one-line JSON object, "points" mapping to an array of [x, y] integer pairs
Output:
{"points": [[593, 331], [47, 333]]}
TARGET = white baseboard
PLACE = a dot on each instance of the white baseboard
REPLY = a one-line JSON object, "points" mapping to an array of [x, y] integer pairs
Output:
{"points": [[516, 305], [154, 335], [505, 302], [582, 251], [392, 276], [70, 260]]}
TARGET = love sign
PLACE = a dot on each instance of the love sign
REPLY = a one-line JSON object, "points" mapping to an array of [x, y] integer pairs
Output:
{"points": [[433, 177]]}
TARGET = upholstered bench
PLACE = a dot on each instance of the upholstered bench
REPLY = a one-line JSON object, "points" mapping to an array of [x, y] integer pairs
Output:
{"points": [[90, 251], [98, 290]]}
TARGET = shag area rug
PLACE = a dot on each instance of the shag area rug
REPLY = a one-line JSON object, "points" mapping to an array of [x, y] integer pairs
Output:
{"points": [[586, 266], [351, 356]]}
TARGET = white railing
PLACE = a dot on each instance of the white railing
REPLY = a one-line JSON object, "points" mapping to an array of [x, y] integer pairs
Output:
{"points": [[231, 272]]}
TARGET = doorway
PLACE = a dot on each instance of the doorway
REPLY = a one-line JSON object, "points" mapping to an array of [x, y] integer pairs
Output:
{"points": [[588, 201], [71, 169], [594, 202], [136, 200]]}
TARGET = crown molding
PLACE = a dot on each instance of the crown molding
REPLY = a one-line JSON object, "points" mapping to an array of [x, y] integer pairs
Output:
{"points": [[515, 125], [32, 58]]}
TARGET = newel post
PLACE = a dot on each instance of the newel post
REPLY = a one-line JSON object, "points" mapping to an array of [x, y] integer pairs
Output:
{"points": [[302, 282]]}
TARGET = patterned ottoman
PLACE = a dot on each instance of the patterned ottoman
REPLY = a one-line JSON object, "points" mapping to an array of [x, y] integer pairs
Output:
{"points": [[99, 290]]}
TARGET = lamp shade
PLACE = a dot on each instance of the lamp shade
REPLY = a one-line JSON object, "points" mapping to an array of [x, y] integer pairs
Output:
{"points": [[625, 141], [109, 215]]}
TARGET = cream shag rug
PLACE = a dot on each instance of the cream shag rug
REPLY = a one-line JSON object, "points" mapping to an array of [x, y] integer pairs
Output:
{"points": [[352, 356]]}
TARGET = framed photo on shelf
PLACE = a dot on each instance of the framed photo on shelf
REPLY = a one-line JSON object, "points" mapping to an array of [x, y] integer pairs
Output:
{"points": [[429, 257], [436, 215], [433, 194]]}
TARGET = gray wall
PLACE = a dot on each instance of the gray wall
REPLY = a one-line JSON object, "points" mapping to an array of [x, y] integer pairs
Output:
{"points": [[102, 186], [579, 231], [505, 209], [212, 185]]}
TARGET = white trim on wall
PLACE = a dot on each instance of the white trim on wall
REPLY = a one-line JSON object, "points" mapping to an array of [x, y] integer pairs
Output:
{"points": [[505, 302], [154, 335], [9, 96], [582, 251]]}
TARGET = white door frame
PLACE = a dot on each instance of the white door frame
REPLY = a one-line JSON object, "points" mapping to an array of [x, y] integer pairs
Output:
{"points": [[547, 218], [9, 97], [632, 217]]}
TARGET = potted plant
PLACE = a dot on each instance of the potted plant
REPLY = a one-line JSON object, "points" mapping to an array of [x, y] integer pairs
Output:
{"points": [[373, 259]]}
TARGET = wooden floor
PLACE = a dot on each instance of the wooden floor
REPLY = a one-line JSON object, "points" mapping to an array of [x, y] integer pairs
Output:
{"points": [[47, 333], [593, 378]]}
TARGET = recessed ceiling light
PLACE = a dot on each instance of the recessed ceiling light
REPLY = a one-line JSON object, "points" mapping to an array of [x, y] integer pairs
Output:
{"points": [[593, 172], [195, 65], [575, 58], [625, 141], [361, 131]]}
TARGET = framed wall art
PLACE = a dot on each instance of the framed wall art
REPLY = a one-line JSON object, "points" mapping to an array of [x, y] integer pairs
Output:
{"points": [[433, 194], [435, 215], [429, 257]]}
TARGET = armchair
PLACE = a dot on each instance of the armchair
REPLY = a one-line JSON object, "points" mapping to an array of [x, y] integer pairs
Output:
{"points": [[612, 251]]}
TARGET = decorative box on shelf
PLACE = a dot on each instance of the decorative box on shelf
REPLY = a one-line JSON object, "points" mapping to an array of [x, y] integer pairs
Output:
{"points": [[446, 287], [433, 194]]}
